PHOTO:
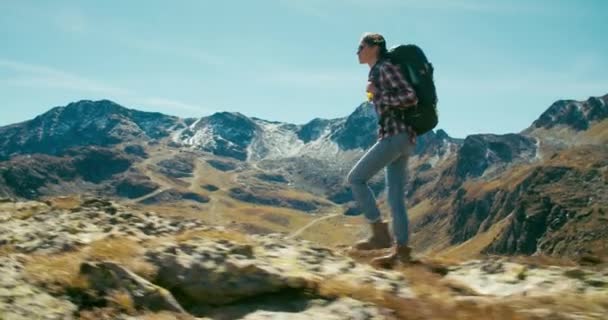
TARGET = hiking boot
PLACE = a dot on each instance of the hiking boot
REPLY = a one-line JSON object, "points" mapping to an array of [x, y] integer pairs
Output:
{"points": [[399, 253], [380, 238]]}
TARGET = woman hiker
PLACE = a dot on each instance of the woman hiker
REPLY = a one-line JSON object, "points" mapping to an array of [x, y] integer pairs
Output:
{"points": [[389, 92]]}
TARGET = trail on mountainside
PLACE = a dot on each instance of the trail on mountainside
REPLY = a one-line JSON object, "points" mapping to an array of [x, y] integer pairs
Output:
{"points": [[310, 224]]}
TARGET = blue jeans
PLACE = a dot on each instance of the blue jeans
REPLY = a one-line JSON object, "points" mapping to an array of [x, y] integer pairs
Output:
{"points": [[392, 153]]}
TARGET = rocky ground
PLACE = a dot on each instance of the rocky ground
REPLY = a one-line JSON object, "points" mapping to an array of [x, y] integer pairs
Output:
{"points": [[89, 258]]}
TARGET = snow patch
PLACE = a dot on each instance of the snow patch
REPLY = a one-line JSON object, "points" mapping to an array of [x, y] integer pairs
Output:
{"points": [[203, 137], [537, 156], [274, 141], [448, 150], [433, 160], [177, 134]]}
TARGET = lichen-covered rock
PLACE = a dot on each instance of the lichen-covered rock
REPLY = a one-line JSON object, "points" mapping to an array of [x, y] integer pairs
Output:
{"points": [[502, 278], [340, 309], [212, 273], [34, 227], [217, 272], [107, 276], [20, 300]]}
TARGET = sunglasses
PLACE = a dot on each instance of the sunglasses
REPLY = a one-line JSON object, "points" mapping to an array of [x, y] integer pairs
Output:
{"points": [[361, 46]]}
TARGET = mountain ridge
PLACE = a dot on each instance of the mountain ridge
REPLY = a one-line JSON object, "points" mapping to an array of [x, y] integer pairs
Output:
{"points": [[484, 192]]}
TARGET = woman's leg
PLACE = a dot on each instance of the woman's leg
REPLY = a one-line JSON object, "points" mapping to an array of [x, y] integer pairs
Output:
{"points": [[377, 157], [396, 178]]}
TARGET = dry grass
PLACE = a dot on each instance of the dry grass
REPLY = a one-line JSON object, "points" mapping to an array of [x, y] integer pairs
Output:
{"points": [[122, 251], [421, 209], [276, 219], [122, 300], [62, 271], [598, 133], [508, 181], [117, 249], [247, 213], [221, 179], [296, 194], [562, 304], [473, 247], [336, 231], [581, 157], [64, 202], [165, 316], [224, 211], [56, 272], [7, 249], [439, 238]]}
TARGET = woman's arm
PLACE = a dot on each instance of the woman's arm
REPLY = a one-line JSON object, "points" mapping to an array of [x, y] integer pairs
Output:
{"points": [[396, 91]]}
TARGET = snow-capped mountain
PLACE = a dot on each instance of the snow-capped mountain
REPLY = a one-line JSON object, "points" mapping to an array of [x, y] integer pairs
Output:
{"points": [[234, 135], [83, 123], [237, 136]]}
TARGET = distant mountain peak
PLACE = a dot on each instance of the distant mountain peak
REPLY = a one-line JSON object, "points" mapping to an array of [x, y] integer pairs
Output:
{"points": [[89, 106], [359, 129], [84, 122], [229, 116], [222, 133], [104, 103], [480, 151], [313, 129], [575, 114], [441, 134]]}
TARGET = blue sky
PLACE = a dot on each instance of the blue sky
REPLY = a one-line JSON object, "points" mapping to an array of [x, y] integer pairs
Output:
{"points": [[499, 64]]}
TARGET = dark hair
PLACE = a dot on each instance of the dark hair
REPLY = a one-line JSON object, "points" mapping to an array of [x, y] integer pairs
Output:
{"points": [[376, 39]]}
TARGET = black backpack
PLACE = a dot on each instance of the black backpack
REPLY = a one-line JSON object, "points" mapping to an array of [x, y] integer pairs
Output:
{"points": [[418, 71]]}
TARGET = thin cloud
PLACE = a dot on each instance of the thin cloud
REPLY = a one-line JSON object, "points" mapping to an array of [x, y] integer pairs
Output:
{"points": [[38, 76]]}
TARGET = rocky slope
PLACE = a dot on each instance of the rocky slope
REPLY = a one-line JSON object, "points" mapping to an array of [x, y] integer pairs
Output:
{"points": [[529, 193], [77, 169], [71, 258]]}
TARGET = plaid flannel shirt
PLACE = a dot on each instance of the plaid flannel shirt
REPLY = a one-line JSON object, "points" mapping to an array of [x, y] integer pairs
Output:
{"points": [[393, 92]]}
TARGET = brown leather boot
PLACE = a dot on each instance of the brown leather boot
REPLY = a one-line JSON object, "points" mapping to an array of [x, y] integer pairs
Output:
{"points": [[379, 239], [399, 253]]}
